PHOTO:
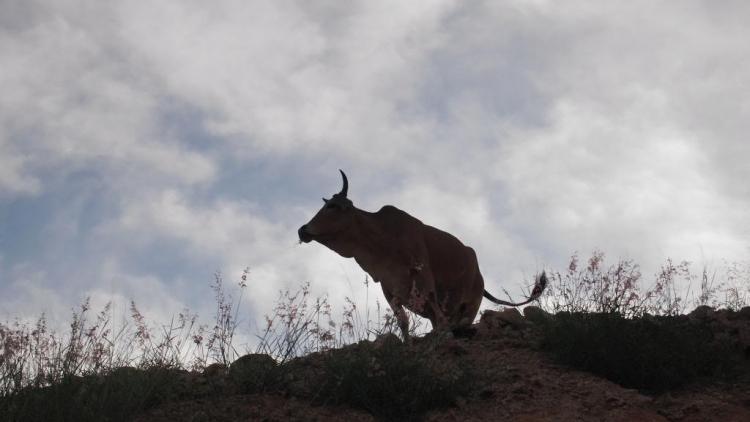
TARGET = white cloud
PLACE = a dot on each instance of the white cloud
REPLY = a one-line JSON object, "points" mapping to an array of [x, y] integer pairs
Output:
{"points": [[610, 156], [527, 129], [235, 236], [593, 179], [71, 101], [281, 77], [158, 299], [25, 295], [12, 177], [223, 228]]}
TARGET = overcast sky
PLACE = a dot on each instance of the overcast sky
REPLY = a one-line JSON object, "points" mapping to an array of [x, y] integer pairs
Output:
{"points": [[146, 145]]}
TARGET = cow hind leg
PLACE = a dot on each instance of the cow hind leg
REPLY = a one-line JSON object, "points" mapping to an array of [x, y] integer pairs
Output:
{"points": [[471, 300], [463, 320], [425, 299], [435, 313], [462, 324]]}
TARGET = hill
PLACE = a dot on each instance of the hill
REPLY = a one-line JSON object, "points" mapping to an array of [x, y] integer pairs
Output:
{"points": [[501, 369]]}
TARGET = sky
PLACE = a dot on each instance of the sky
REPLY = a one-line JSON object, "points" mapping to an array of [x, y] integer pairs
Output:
{"points": [[145, 146]]}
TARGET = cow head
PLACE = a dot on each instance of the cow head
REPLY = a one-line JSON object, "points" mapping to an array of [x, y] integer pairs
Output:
{"points": [[332, 220]]}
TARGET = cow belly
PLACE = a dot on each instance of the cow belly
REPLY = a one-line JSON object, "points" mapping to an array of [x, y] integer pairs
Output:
{"points": [[396, 285], [379, 272], [398, 279]]}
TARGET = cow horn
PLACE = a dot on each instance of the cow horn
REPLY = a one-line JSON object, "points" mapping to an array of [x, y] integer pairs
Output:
{"points": [[346, 185]]}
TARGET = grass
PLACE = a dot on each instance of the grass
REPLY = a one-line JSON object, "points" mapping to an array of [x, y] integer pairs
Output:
{"points": [[652, 355], [110, 396], [91, 372], [391, 380], [606, 321]]}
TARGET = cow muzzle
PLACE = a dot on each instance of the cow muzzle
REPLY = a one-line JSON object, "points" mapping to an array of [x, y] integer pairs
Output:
{"points": [[303, 234]]}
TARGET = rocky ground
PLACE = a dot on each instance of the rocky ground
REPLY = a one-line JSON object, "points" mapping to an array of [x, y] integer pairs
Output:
{"points": [[521, 384]]}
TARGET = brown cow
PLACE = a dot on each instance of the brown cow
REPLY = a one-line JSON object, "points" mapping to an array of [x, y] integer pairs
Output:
{"points": [[419, 267]]}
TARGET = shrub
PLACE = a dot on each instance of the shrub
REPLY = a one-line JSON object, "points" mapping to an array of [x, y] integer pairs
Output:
{"points": [[391, 380], [651, 354], [93, 373], [113, 397], [619, 288]]}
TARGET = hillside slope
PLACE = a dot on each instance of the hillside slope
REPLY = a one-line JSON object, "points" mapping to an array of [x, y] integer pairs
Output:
{"points": [[514, 382]]}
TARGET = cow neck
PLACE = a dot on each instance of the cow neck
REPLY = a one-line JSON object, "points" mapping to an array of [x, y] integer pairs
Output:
{"points": [[367, 242]]}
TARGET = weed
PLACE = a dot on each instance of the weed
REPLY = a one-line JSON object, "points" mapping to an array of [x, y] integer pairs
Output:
{"points": [[390, 380], [651, 354], [606, 322], [94, 373], [619, 288]]}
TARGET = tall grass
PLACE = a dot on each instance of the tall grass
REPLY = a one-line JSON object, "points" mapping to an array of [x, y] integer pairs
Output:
{"points": [[36, 356], [301, 324], [98, 370], [620, 288], [93, 371], [608, 321]]}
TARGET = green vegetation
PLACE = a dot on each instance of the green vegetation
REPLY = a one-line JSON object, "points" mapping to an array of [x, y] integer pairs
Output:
{"points": [[390, 380], [113, 396], [606, 323], [652, 355], [603, 320]]}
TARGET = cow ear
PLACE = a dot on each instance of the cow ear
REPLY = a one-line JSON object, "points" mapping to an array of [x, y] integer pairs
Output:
{"points": [[326, 200]]}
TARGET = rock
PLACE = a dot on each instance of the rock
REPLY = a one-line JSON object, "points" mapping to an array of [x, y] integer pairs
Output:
{"points": [[512, 317], [215, 371], [454, 349], [385, 339], [702, 313], [124, 371], [251, 372], [723, 315], [498, 324], [636, 398], [218, 379], [192, 383], [536, 314], [488, 318], [489, 326], [465, 332]]}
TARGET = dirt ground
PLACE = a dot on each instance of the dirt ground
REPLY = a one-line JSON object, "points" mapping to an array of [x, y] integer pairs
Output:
{"points": [[525, 386]]}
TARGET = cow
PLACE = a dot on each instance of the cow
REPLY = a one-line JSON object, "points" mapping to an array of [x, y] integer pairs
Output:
{"points": [[422, 268]]}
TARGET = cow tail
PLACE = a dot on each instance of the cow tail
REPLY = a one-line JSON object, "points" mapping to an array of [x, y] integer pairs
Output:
{"points": [[539, 286]]}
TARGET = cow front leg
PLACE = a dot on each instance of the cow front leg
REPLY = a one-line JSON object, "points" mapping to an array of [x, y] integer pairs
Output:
{"points": [[401, 317], [423, 297]]}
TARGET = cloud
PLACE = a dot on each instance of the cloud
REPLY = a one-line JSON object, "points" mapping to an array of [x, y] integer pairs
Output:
{"points": [[284, 76], [231, 236], [583, 129], [70, 102], [206, 135], [215, 229], [12, 177]]}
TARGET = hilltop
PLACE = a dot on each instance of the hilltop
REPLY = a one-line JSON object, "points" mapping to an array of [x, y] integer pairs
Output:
{"points": [[601, 347], [512, 378]]}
